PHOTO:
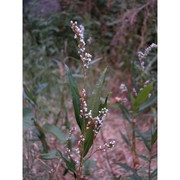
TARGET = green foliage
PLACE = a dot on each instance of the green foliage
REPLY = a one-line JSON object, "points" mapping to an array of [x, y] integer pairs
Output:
{"points": [[75, 97], [96, 94], [39, 131], [55, 131], [142, 97], [51, 155], [128, 168], [28, 115], [94, 103], [141, 104]]}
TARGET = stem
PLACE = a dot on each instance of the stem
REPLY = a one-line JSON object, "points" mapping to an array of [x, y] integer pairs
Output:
{"points": [[107, 158], [133, 137]]}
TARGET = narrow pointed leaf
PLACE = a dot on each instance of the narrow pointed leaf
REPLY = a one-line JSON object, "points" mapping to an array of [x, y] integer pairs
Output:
{"points": [[75, 97], [69, 163], [125, 139], [55, 131], [143, 157], [51, 155], [125, 112], [154, 137], [154, 173], [128, 168], [143, 138], [41, 135], [148, 103], [95, 98], [154, 156], [142, 96], [27, 94], [88, 141]]}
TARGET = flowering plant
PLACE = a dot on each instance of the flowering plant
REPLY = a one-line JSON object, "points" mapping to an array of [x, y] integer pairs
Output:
{"points": [[90, 115]]}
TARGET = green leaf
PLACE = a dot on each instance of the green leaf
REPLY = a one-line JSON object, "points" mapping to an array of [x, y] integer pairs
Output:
{"points": [[95, 98], [65, 172], [142, 96], [29, 96], [75, 97], [148, 103], [69, 163], [154, 137], [55, 131], [143, 138], [143, 157], [128, 168], [154, 173], [88, 141], [154, 156], [41, 135], [125, 112], [28, 114], [132, 99], [51, 155], [125, 139]]}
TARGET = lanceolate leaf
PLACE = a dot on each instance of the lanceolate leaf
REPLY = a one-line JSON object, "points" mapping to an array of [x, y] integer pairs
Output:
{"points": [[56, 154], [143, 138], [75, 97], [95, 106], [55, 131], [125, 112], [148, 103], [154, 173], [51, 155], [27, 94], [95, 98], [142, 96], [128, 168], [125, 139], [154, 137], [41, 135], [88, 141], [143, 157], [69, 163]]}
